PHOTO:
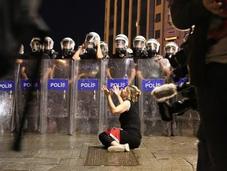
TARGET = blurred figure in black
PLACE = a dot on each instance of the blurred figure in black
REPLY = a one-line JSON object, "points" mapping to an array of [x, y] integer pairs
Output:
{"points": [[19, 21], [207, 61]]}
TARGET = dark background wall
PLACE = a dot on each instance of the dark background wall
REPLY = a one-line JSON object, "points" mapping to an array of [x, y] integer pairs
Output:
{"points": [[73, 18]]}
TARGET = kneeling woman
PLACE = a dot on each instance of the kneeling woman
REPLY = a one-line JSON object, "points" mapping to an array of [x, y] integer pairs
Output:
{"points": [[128, 136]]}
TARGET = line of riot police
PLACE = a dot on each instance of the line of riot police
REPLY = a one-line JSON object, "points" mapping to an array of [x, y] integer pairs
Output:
{"points": [[170, 66]]}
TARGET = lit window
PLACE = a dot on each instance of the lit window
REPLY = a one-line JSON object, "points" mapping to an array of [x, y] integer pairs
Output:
{"points": [[158, 2], [158, 17]]}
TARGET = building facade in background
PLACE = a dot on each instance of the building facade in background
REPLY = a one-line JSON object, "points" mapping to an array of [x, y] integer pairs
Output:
{"points": [[164, 31], [149, 18]]}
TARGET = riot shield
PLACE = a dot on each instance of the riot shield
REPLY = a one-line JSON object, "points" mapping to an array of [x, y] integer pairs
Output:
{"points": [[26, 87], [56, 92], [120, 72], [7, 102], [187, 124], [149, 75], [87, 110]]}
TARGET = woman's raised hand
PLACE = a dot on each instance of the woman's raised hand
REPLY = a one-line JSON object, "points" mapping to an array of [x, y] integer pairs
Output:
{"points": [[116, 90], [105, 90]]}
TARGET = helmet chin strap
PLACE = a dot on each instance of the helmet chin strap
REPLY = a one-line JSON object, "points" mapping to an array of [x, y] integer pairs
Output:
{"points": [[66, 52]]}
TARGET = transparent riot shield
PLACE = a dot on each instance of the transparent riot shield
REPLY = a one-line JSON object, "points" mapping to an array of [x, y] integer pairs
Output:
{"points": [[187, 123], [149, 75], [28, 87], [56, 93], [87, 112], [120, 72], [7, 102]]}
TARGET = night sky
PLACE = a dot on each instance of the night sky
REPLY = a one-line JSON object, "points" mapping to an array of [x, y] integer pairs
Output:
{"points": [[73, 18]]}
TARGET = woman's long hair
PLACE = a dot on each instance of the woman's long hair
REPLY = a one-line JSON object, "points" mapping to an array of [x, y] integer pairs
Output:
{"points": [[134, 93]]}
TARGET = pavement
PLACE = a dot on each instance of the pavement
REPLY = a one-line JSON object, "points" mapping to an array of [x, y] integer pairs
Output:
{"points": [[59, 152]]}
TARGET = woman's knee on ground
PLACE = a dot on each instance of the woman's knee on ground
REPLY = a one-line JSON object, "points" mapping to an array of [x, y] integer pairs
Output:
{"points": [[104, 139]]}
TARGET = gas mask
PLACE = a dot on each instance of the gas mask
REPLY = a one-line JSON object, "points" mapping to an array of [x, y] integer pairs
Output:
{"points": [[36, 45], [121, 45], [121, 51], [91, 51], [152, 46], [91, 41], [67, 52], [139, 46], [67, 46], [171, 49], [48, 45], [48, 52]]}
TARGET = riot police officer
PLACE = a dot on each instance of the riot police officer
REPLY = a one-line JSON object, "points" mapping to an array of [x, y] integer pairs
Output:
{"points": [[171, 48], [36, 48], [151, 68], [90, 49], [21, 54], [105, 49], [156, 65], [121, 46], [48, 49], [121, 64], [172, 53], [139, 48], [152, 46], [67, 48]]}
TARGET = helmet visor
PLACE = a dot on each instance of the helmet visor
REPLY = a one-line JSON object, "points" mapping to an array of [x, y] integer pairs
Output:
{"points": [[170, 50], [120, 43], [153, 47], [139, 44], [48, 45], [36, 46], [67, 45], [89, 38]]}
